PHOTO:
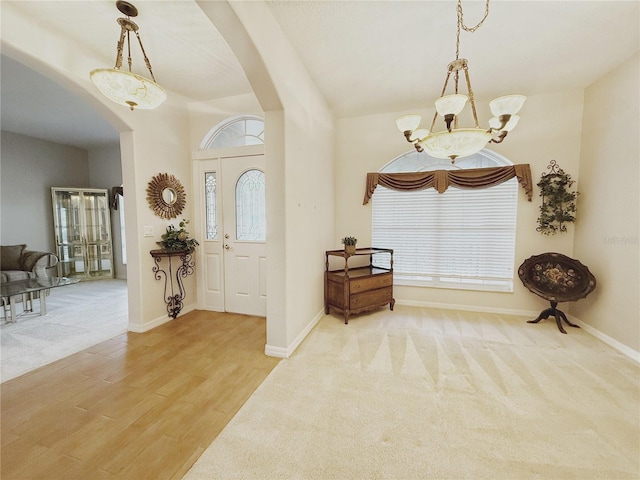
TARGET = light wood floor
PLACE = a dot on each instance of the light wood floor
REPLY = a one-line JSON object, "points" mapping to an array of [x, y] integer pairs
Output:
{"points": [[139, 406]]}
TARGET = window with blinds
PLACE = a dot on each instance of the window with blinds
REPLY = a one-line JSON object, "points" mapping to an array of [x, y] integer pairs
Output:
{"points": [[459, 239]]}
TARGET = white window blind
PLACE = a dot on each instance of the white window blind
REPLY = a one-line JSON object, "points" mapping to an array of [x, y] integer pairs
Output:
{"points": [[463, 238]]}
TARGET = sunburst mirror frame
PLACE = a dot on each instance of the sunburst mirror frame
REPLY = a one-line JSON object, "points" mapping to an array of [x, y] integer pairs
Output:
{"points": [[166, 196]]}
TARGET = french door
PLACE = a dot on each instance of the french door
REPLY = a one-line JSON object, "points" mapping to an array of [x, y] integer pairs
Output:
{"points": [[231, 219]]}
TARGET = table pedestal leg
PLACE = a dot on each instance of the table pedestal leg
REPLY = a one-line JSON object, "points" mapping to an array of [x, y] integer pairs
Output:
{"points": [[557, 314]]}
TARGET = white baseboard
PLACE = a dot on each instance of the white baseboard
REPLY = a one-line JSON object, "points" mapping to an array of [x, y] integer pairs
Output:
{"points": [[272, 351], [615, 344], [282, 352], [469, 308], [612, 342], [156, 322]]}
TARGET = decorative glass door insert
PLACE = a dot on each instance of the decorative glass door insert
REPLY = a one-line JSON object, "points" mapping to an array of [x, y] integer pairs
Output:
{"points": [[251, 207]]}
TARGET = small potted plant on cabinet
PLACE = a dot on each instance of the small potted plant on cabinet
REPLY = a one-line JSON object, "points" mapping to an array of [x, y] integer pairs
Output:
{"points": [[349, 245]]}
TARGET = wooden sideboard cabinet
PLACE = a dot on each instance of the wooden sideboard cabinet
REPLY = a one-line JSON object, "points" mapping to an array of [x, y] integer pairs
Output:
{"points": [[358, 289]]}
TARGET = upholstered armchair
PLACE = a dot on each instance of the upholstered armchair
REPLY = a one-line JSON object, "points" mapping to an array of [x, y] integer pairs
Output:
{"points": [[18, 263]]}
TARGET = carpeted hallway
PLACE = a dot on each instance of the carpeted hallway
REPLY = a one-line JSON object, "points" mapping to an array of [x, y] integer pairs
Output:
{"points": [[427, 393]]}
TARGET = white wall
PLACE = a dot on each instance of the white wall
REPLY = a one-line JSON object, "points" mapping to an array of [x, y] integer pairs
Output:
{"points": [[157, 143], [608, 226], [30, 167], [550, 129]]}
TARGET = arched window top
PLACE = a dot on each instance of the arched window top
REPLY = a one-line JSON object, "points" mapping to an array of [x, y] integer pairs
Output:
{"points": [[414, 161], [239, 131]]}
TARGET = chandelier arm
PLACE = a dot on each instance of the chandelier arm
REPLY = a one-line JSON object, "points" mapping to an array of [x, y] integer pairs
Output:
{"points": [[471, 99], [501, 136], [146, 59], [120, 49], [129, 49]]}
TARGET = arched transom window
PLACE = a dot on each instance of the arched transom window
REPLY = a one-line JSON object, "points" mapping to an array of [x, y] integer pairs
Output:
{"points": [[462, 238], [235, 132]]}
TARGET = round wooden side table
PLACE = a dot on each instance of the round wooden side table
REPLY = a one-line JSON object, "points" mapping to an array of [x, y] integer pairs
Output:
{"points": [[557, 278]]}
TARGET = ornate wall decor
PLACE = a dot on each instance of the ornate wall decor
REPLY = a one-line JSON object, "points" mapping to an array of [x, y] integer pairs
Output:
{"points": [[166, 196], [558, 202]]}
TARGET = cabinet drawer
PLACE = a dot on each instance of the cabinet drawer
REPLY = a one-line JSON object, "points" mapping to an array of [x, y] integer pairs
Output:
{"points": [[370, 283], [373, 297]]}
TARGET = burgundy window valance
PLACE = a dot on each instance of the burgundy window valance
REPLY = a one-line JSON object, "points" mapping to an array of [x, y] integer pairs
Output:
{"points": [[442, 179]]}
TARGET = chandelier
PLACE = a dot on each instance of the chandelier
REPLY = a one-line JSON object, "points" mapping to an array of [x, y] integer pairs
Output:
{"points": [[455, 142], [125, 87]]}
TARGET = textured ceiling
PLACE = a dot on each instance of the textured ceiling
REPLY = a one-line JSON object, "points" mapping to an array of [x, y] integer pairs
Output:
{"points": [[366, 56], [376, 56]]}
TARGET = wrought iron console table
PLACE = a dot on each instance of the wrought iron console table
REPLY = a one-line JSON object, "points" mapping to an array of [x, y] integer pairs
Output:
{"points": [[185, 268]]}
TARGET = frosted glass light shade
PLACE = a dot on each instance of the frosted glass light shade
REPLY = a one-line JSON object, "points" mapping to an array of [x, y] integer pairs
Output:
{"points": [[507, 104], [451, 104], [419, 134], [129, 89], [458, 143], [495, 123], [408, 122]]}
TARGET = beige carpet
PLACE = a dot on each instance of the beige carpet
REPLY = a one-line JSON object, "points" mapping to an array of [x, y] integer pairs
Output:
{"points": [[427, 393], [78, 316]]}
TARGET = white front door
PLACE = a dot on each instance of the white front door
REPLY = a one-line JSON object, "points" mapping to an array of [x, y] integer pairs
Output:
{"points": [[244, 224], [231, 261]]}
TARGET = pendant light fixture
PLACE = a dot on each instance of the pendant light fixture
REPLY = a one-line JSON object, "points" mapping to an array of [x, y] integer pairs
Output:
{"points": [[125, 87], [455, 142]]}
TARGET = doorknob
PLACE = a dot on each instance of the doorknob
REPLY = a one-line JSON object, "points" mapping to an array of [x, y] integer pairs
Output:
{"points": [[227, 247]]}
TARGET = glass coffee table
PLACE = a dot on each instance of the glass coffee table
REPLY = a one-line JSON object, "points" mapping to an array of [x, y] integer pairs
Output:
{"points": [[27, 289]]}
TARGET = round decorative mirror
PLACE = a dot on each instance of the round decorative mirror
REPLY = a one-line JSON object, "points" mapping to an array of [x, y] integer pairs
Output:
{"points": [[166, 196], [169, 196]]}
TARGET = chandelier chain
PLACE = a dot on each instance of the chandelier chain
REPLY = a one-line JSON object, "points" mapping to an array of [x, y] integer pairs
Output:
{"points": [[146, 59], [461, 24]]}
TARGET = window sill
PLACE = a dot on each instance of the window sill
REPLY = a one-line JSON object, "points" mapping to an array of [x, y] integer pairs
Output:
{"points": [[480, 285]]}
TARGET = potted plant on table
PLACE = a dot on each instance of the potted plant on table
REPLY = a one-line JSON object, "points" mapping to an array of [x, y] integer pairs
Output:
{"points": [[349, 245], [178, 240]]}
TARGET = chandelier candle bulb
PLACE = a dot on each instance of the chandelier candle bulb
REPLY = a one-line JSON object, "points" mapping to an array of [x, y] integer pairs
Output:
{"points": [[451, 104], [408, 123], [507, 104]]}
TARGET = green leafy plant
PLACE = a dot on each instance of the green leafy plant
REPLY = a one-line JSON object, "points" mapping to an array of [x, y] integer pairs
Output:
{"points": [[349, 240], [176, 240], [558, 202]]}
